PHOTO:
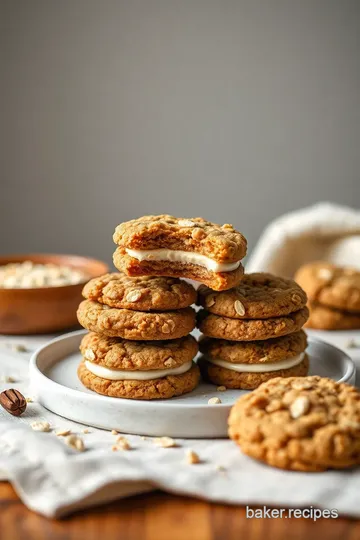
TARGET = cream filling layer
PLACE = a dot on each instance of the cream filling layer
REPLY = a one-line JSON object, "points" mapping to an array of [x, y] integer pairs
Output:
{"points": [[137, 375], [177, 255], [259, 368]]}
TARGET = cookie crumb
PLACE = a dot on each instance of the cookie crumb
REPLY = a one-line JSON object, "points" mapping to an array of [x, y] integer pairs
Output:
{"points": [[85, 431], [123, 444], [221, 389], [352, 344], [63, 432], [40, 426], [214, 401], [29, 400], [75, 442], [7, 379], [18, 347], [220, 468], [114, 432], [165, 442], [192, 457], [144, 438]]}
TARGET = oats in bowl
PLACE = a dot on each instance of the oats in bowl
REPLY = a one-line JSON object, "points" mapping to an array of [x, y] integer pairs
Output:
{"points": [[30, 275]]}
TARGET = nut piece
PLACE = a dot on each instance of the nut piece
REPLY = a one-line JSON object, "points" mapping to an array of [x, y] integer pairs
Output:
{"points": [[165, 442], [192, 457], [40, 426], [75, 442], [13, 402], [239, 308], [89, 354], [299, 407], [63, 432], [133, 296], [214, 401], [186, 223]]}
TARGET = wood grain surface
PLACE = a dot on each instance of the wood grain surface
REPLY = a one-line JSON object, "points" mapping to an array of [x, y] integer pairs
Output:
{"points": [[160, 516]]}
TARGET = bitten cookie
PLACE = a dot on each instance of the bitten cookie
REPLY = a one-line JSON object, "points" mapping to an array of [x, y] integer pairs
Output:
{"points": [[141, 293], [117, 353], [307, 424], [135, 325], [220, 327], [331, 285], [248, 380], [258, 296], [163, 387], [193, 248], [325, 318]]}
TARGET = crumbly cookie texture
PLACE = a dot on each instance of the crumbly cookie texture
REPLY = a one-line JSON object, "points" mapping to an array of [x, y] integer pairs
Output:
{"points": [[255, 352], [251, 329], [221, 243], [135, 325], [303, 424], [325, 318], [247, 381], [164, 388], [140, 293], [117, 353], [331, 285], [258, 296], [216, 280]]}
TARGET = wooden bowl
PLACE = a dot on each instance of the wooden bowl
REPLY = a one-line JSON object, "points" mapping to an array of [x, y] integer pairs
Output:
{"points": [[45, 309]]}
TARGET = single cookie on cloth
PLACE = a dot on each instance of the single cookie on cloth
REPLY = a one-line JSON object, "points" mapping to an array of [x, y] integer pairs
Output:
{"points": [[220, 327], [245, 365], [258, 296], [301, 424], [135, 325], [140, 293], [192, 248], [123, 354], [140, 384], [332, 286], [325, 318]]}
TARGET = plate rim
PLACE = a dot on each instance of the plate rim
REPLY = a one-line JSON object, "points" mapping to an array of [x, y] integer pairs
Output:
{"points": [[34, 371]]}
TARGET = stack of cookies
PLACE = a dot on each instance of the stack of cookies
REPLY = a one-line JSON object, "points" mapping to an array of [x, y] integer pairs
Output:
{"points": [[139, 345], [334, 295], [253, 332]]}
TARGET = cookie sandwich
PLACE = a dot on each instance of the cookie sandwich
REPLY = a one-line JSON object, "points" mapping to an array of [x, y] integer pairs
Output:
{"points": [[190, 248], [139, 345], [334, 295], [253, 332], [303, 424]]}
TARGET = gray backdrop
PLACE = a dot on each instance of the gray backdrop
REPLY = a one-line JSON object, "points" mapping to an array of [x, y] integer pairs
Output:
{"points": [[234, 110]]}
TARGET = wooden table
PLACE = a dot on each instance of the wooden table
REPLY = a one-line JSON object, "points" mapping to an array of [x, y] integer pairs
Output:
{"points": [[159, 516]]}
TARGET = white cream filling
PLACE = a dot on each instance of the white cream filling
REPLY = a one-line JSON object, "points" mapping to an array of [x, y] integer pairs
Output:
{"points": [[177, 255], [137, 375], [259, 368]]}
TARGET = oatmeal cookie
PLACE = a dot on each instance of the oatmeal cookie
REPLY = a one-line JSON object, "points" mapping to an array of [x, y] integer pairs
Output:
{"points": [[251, 329], [117, 353], [302, 424], [325, 318], [332, 286], [140, 293], [258, 296], [161, 388], [135, 325]]}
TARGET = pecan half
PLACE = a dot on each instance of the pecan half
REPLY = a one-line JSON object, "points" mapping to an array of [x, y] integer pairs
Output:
{"points": [[13, 402]]}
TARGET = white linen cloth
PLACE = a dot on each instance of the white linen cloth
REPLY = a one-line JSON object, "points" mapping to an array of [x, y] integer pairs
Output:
{"points": [[55, 480], [323, 231]]}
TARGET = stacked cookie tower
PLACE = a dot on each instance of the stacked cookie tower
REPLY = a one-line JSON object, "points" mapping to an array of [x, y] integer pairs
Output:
{"points": [[139, 345], [253, 332], [334, 295]]}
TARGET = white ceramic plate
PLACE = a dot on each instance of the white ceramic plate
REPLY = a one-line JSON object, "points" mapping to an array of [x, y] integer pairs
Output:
{"points": [[53, 378]]}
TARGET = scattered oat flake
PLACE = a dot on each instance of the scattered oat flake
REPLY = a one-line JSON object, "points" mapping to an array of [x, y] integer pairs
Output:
{"points": [[18, 347], [63, 432], [75, 442], [165, 442], [214, 401], [86, 431], [352, 344], [123, 444], [7, 379], [114, 432], [220, 468], [221, 388], [299, 407], [192, 457], [29, 400], [41, 426], [144, 438]]}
